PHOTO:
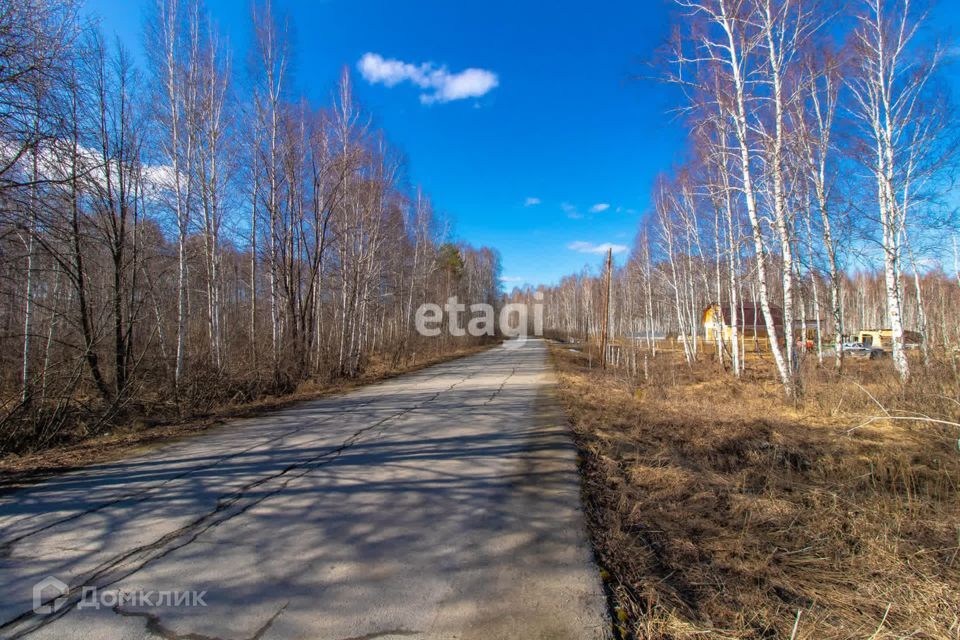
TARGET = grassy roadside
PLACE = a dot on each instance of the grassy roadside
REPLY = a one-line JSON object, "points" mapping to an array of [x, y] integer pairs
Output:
{"points": [[718, 510], [137, 437]]}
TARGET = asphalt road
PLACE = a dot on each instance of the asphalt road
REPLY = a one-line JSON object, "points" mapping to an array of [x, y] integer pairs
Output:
{"points": [[440, 504]]}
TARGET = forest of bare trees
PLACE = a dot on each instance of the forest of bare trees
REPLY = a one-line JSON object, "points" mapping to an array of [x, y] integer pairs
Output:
{"points": [[186, 235], [817, 192]]}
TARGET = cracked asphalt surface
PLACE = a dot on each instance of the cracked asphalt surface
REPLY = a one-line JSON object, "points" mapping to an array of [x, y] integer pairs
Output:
{"points": [[440, 504]]}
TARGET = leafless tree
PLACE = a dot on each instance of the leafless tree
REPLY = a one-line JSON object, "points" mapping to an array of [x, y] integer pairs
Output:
{"points": [[890, 83]]}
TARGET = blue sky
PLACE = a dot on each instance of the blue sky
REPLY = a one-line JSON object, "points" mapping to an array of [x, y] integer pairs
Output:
{"points": [[554, 161]]}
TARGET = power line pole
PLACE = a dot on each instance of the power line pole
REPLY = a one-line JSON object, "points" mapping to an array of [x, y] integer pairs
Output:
{"points": [[606, 310]]}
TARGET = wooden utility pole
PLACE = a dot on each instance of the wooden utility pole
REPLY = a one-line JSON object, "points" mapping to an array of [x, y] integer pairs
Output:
{"points": [[606, 310]]}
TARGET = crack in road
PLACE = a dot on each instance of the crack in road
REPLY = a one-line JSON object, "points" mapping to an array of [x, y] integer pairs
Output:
{"points": [[389, 632], [155, 627], [500, 389]]}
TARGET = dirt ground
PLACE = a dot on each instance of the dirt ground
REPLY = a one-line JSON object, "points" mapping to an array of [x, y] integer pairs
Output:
{"points": [[719, 509]]}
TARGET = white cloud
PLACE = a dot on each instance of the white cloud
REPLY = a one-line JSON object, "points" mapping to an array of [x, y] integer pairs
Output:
{"points": [[513, 279], [531, 202], [600, 207], [588, 247], [439, 84], [571, 211]]}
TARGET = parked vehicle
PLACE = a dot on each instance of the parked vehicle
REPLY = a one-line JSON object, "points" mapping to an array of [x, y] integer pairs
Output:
{"points": [[861, 350], [883, 339]]}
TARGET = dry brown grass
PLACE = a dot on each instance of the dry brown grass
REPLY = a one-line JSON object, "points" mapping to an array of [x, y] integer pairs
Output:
{"points": [[720, 510]]}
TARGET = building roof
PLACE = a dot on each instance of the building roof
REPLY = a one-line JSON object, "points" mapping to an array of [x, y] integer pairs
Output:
{"points": [[749, 314]]}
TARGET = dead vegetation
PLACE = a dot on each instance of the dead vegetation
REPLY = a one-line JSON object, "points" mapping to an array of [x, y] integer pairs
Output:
{"points": [[719, 510]]}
